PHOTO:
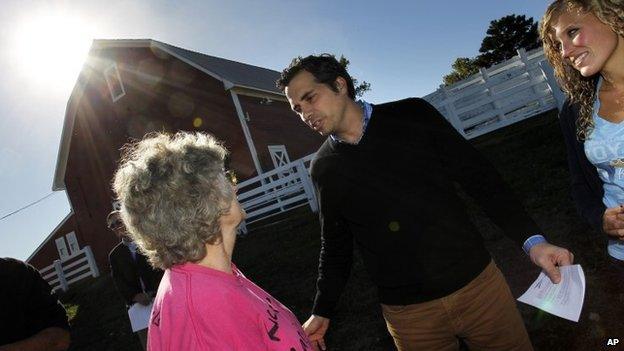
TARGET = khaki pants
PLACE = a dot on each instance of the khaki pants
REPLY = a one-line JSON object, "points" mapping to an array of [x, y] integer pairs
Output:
{"points": [[482, 313]]}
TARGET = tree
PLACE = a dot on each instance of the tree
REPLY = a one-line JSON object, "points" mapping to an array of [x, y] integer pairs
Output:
{"points": [[463, 67], [505, 36], [360, 88]]}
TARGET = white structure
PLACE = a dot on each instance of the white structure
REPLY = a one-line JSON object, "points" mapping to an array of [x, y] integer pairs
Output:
{"points": [[71, 268], [500, 95], [279, 190]]}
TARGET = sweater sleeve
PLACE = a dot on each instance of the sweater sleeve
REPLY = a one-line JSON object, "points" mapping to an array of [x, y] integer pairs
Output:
{"points": [[588, 203], [477, 176], [336, 254]]}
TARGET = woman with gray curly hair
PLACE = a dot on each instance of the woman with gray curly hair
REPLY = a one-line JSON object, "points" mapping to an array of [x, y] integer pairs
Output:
{"points": [[584, 42], [181, 209]]}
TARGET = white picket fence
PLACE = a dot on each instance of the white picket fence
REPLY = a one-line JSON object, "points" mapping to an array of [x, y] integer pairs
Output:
{"points": [[71, 269], [500, 95], [277, 191]]}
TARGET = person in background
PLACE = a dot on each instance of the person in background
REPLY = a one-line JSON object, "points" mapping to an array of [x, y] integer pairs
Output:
{"points": [[31, 317], [180, 207], [135, 280], [385, 179], [584, 42]]}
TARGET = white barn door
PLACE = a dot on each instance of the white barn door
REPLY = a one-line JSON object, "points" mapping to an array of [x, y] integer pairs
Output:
{"points": [[279, 155]]}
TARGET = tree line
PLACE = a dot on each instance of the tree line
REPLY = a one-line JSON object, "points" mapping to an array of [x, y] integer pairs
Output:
{"points": [[503, 37]]}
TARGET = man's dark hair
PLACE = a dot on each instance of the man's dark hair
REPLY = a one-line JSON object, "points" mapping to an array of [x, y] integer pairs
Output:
{"points": [[325, 69]]}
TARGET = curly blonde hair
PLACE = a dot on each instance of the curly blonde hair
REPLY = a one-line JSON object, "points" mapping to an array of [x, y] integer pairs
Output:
{"points": [[173, 190], [580, 90]]}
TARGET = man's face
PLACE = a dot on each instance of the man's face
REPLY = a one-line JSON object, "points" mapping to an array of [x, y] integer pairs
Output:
{"points": [[318, 106]]}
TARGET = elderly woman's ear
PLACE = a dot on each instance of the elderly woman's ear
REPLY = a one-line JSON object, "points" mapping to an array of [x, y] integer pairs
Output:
{"points": [[230, 220]]}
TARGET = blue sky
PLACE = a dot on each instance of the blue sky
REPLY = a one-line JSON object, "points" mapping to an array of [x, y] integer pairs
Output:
{"points": [[402, 48]]}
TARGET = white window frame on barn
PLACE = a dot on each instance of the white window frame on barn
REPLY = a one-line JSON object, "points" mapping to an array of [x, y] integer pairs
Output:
{"points": [[74, 248], [279, 155], [113, 81], [61, 247]]}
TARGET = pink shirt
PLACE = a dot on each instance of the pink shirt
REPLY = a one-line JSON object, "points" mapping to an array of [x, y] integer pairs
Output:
{"points": [[199, 308]]}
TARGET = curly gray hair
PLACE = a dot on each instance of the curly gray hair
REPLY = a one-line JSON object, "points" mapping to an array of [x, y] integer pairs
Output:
{"points": [[173, 191]]}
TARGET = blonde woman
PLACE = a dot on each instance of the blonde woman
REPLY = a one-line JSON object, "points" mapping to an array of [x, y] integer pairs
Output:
{"points": [[181, 209], [584, 42]]}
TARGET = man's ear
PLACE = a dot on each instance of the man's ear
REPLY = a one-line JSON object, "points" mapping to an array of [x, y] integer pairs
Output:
{"points": [[341, 85]]}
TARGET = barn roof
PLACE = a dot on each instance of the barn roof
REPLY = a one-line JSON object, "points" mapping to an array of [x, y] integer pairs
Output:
{"points": [[233, 74]]}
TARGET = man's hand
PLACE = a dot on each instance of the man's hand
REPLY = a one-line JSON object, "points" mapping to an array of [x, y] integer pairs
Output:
{"points": [[613, 222], [315, 328], [142, 298], [548, 257]]}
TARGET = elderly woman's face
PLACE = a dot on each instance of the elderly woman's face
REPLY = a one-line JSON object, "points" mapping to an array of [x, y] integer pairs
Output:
{"points": [[585, 42], [233, 217]]}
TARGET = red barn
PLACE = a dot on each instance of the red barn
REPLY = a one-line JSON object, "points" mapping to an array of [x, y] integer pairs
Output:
{"points": [[128, 88]]}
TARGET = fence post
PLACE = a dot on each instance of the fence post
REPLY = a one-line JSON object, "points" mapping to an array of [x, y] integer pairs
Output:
{"points": [[451, 114], [91, 260], [302, 174], [497, 106], [548, 72], [58, 267], [525, 61]]}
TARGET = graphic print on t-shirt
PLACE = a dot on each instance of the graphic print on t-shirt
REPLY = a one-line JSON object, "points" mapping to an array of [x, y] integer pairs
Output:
{"points": [[273, 314]]}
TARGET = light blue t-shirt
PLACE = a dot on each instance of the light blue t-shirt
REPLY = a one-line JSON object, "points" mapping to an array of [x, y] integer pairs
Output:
{"points": [[604, 148]]}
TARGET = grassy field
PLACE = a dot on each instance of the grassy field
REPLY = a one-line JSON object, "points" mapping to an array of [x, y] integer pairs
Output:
{"points": [[282, 258]]}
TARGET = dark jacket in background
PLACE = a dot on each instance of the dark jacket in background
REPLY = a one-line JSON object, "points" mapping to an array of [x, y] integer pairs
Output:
{"points": [[587, 190], [126, 272]]}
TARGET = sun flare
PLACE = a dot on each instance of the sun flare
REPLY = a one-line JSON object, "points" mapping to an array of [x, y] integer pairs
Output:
{"points": [[50, 48]]}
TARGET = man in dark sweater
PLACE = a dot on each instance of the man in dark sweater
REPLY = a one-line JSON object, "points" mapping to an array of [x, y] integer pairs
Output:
{"points": [[385, 179]]}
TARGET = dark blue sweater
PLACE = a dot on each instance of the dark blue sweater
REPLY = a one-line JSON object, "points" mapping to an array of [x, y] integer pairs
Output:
{"points": [[394, 195], [586, 185]]}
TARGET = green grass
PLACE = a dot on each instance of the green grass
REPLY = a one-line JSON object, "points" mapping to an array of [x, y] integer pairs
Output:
{"points": [[72, 311], [282, 258]]}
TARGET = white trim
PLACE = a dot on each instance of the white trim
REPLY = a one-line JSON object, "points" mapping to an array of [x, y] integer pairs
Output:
{"points": [[58, 183], [45, 241], [189, 62], [243, 122], [255, 92], [279, 155], [61, 248], [109, 83], [72, 242]]}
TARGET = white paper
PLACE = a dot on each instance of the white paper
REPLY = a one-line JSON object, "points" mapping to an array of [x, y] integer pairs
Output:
{"points": [[564, 299], [139, 316]]}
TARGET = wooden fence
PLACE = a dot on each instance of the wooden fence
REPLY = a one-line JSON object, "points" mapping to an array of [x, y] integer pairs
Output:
{"points": [[62, 273], [277, 191], [500, 95]]}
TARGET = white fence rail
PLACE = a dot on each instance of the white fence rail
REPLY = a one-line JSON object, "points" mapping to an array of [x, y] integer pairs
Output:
{"points": [[62, 273], [277, 191], [500, 95]]}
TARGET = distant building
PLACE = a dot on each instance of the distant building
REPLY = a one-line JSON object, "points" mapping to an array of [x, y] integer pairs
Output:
{"points": [[128, 88]]}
